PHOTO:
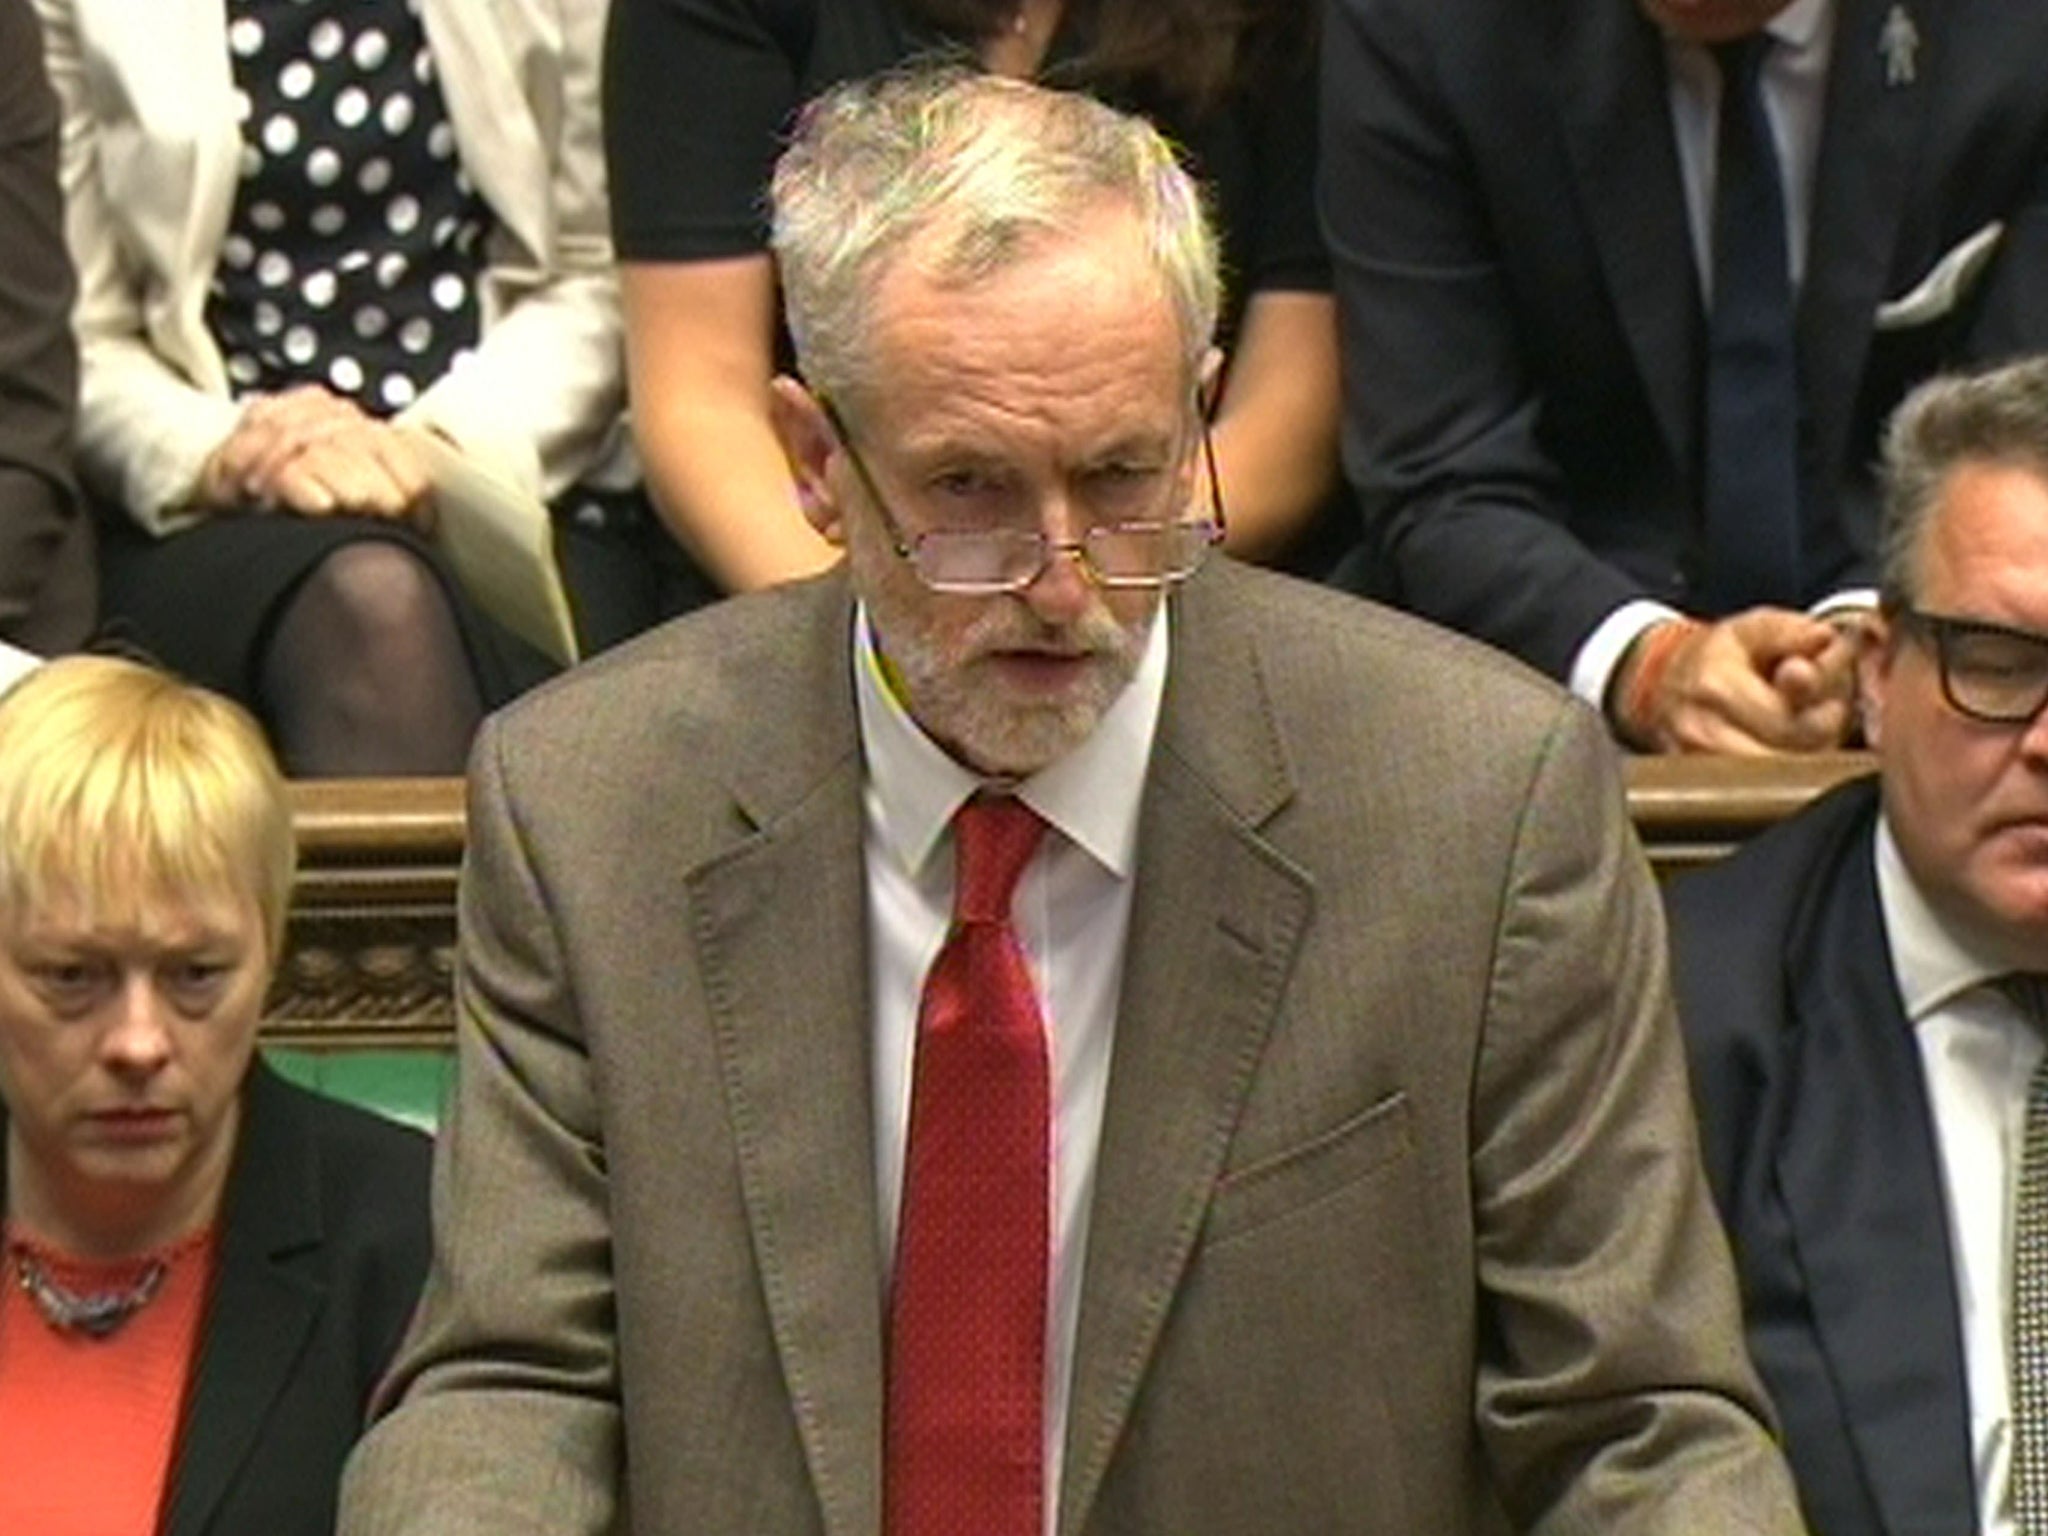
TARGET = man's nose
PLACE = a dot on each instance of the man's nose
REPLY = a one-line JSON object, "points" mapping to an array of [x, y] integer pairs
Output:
{"points": [[1063, 590]]}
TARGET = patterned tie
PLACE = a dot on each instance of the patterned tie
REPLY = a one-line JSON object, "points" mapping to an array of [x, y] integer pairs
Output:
{"points": [[1752, 419], [2030, 1287], [965, 1435]]}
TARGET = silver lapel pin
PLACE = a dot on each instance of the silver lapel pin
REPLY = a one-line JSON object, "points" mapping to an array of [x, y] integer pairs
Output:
{"points": [[1899, 44]]}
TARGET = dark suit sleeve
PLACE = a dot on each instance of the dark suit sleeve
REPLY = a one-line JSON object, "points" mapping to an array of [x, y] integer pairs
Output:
{"points": [[1614, 1392], [501, 1412], [1463, 508], [38, 361]]}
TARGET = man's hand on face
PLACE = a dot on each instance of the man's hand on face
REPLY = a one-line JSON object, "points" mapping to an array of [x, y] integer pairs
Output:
{"points": [[1767, 680]]}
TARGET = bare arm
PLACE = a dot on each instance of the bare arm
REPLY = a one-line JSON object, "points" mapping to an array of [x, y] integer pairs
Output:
{"points": [[699, 357], [1276, 429]]}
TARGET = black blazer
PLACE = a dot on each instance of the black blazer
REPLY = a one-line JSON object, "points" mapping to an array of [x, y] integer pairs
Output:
{"points": [[323, 1247], [1522, 328], [1821, 1151]]}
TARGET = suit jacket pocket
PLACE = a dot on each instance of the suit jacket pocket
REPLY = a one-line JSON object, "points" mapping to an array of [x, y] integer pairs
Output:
{"points": [[1937, 295], [1254, 1196]]}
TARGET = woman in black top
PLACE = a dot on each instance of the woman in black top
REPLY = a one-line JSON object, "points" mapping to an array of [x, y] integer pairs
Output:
{"points": [[697, 93]]}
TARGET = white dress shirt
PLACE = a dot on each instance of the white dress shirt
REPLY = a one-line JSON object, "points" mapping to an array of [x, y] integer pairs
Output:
{"points": [[1977, 1053], [1794, 83], [1071, 911]]}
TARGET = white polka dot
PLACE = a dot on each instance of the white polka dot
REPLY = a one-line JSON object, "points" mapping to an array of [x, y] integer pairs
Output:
{"points": [[346, 374], [397, 390], [328, 220], [323, 166], [236, 251], [370, 322], [391, 269], [449, 291], [326, 39], [375, 175], [444, 228], [242, 368], [300, 345], [319, 288], [280, 135], [249, 162], [403, 215], [273, 269], [370, 50], [441, 140], [423, 66], [244, 108], [416, 335], [266, 216], [245, 37], [269, 318], [353, 261], [351, 106], [395, 114], [295, 80]]}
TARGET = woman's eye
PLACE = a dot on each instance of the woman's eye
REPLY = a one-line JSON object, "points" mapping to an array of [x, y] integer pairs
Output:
{"points": [[68, 984]]}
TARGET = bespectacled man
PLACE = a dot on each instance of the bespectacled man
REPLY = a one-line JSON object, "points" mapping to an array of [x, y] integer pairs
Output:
{"points": [[1861, 992], [1276, 1125]]}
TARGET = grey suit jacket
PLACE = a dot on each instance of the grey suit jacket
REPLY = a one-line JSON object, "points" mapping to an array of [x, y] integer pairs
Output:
{"points": [[1399, 1226]]}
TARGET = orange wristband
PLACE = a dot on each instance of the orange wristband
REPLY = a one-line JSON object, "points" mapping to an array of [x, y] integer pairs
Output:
{"points": [[1660, 647]]}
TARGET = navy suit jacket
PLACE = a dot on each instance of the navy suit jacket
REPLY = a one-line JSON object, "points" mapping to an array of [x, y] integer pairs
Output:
{"points": [[323, 1246], [1821, 1151], [1522, 326]]}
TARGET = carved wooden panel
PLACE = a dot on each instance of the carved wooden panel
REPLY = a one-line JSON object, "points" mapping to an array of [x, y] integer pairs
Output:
{"points": [[370, 951]]}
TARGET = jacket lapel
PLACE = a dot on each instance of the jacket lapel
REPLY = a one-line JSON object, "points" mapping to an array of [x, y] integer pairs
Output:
{"points": [[780, 929], [1614, 104], [1862, 185], [1858, 1169], [473, 43], [1216, 920], [262, 1309]]}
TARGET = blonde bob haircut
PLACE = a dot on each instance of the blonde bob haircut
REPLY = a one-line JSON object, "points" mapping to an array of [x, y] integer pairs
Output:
{"points": [[971, 172], [120, 783]]}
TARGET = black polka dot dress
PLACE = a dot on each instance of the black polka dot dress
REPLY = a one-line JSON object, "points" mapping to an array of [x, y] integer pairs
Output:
{"points": [[352, 255], [351, 261]]}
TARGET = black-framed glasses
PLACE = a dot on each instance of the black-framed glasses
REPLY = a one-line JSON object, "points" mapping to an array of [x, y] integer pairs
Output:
{"points": [[1141, 553], [1989, 672]]}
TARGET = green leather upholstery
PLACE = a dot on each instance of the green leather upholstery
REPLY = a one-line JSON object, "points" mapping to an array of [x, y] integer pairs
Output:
{"points": [[408, 1086]]}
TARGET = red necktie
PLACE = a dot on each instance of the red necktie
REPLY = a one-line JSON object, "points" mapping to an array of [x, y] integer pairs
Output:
{"points": [[965, 1437]]}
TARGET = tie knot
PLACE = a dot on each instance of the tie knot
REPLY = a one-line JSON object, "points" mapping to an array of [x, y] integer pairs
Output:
{"points": [[996, 835], [1742, 61]]}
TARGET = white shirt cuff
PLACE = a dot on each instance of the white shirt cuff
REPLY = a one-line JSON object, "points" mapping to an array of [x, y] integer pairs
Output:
{"points": [[1593, 667]]}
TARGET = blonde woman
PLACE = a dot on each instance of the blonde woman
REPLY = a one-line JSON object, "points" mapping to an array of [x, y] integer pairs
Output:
{"points": [[204, 1267]]}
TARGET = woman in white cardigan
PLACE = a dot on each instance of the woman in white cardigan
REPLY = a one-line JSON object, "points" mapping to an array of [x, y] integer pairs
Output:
{"points": [[307, 233]]}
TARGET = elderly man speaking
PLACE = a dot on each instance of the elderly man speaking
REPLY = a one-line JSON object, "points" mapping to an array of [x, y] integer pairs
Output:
{"points": [[1040, 1030]]}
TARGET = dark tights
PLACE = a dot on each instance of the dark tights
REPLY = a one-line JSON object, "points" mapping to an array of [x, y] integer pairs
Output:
{"points": [[366, 673]]}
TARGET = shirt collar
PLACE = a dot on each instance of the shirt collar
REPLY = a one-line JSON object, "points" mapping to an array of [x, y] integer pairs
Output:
{"points": [[1931, 962], [1801, 24], [1091, 795]]}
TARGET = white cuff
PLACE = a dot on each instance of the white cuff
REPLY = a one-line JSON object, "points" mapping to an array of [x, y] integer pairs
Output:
{"points": [[1593, 667]]}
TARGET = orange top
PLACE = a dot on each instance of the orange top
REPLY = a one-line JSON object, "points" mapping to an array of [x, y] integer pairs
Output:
{"points": [[87, 1425]]}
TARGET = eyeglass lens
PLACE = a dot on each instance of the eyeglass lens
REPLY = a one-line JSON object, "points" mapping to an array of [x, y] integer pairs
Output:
{"points": [[1996, 675], [1119, 554]]}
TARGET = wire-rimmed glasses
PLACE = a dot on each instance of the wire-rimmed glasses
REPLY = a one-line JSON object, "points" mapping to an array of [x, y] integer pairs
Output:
{"points": [[1135, 553]]}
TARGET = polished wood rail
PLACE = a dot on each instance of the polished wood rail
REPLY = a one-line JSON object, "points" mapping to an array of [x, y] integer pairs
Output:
{"points": [[369, 957]]}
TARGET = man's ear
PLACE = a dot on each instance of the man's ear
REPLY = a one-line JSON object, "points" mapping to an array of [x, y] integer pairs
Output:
{"points": [[808, 443], [1209, 381], [1873, 674]]}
